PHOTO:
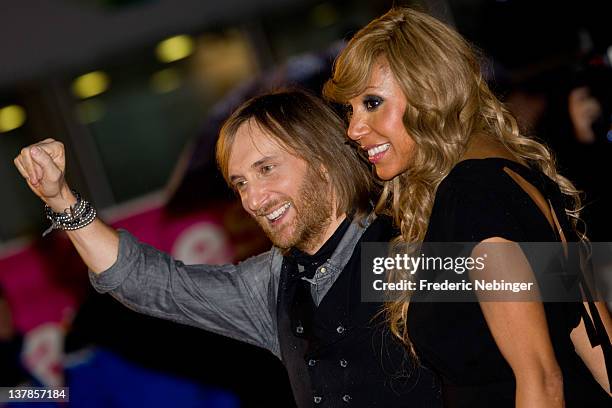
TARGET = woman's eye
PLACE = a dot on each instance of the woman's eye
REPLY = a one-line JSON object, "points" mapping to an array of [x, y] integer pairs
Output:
{"points": [[372, 102]]}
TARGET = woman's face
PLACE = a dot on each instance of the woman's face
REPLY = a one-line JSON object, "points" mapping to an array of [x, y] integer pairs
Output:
{"points": [[376, 123]]}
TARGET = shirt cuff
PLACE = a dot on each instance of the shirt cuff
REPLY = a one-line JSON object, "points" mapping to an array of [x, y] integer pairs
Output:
{"points": [[112, 278]]}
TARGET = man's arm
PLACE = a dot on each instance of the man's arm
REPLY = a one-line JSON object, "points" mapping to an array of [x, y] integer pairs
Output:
{"points": [[230, 300]]}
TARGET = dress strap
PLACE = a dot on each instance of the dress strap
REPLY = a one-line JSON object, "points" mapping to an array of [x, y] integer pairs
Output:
{"points": [[595, 329]]}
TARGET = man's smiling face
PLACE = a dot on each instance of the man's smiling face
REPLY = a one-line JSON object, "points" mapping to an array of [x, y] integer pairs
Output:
{"points": [[290, 201]]}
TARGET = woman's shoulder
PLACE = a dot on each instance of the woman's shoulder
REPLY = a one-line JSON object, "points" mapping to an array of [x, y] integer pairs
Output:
{"points": [[480, 198], [488, 171], [488, 177]]}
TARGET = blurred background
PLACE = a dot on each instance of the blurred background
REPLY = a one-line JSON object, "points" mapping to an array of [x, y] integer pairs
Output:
{"points": [[137, 89]]}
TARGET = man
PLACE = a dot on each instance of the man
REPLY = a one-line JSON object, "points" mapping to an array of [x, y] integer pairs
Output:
{"points": [[286, 157]]}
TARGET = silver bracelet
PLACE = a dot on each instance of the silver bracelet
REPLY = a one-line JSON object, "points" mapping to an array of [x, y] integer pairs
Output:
{"points": [[76, 216]]}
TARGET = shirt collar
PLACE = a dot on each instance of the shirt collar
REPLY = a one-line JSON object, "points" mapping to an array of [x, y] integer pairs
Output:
{"points": [[326, 250]]}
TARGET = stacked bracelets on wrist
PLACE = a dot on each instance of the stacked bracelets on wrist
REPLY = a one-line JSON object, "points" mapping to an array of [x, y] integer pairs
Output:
{"points": [[77, 216]]}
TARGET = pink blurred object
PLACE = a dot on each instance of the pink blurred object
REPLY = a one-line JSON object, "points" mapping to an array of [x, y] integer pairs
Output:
{"points": [[43, 353]]}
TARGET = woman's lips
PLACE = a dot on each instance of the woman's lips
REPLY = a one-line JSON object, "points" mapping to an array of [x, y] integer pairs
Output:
{"points": [[376, 152]]}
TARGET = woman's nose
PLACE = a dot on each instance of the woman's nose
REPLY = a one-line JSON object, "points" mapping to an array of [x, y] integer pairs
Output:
{"points": [[358, 127]]}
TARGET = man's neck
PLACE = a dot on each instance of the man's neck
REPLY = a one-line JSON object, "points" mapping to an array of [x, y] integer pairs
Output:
{"points": [[329, 231]]}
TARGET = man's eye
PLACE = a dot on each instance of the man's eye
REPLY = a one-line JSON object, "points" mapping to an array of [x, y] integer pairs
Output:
{"points": [[239, 185], [266, 169], [348, 111], [372, 102]]}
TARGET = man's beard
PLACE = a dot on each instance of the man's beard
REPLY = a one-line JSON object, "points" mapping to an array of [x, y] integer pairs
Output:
{"points": [[313, 211]]}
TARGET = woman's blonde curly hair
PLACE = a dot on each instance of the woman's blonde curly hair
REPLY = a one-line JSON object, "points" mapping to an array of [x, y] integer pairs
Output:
{"points": [[448, 101]]}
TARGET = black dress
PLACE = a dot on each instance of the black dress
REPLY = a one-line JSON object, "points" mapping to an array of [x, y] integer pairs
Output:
{"points": [[476, 201]]}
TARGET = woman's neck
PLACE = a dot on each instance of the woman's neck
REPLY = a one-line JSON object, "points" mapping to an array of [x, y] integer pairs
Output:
{"points": [[483, 146]]}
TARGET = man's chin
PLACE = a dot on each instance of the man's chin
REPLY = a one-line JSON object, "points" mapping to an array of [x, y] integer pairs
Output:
{"points": [[281, 239]]}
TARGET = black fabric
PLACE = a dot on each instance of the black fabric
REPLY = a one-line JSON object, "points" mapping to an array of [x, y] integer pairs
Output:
{"points": [[12, 372], [349, 357], [302, 268], [476, 201]]}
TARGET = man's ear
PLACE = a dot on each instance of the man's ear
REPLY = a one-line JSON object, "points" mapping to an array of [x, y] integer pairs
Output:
{"points": [[331, 189]]}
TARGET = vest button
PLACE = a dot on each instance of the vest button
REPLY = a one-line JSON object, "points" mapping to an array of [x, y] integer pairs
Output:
{"points": [[346, 398], [317, 400], [343, 363], [323, 270], [340, 329], [299, 330], [312, 362]]}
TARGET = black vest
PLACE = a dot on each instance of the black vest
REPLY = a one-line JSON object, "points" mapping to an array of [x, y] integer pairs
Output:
{"points": [[355, 361]]}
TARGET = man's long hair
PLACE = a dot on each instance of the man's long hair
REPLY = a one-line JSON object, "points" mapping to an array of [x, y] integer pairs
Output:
{"points": [[310, 129]]}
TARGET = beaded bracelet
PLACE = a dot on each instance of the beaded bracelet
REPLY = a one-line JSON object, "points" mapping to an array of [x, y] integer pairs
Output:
{"points": [[76, 216]]}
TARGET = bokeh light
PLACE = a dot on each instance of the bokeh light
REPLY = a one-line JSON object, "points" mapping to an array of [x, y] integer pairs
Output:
{"points": [[11, 117], [174, 48], [91, 84]]}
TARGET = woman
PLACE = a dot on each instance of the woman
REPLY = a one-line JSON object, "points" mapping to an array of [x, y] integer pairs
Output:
{"points": [[456, 169]]}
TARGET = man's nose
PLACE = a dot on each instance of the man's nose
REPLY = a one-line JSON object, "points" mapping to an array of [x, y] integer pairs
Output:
{"points": [[358, 127], [254, 197]]}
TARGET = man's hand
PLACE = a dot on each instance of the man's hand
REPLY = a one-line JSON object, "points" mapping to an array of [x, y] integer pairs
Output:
{"points": [[43, 165]]}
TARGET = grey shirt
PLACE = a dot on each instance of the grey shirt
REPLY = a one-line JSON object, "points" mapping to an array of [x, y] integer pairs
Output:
{"points": [[237, 301]]}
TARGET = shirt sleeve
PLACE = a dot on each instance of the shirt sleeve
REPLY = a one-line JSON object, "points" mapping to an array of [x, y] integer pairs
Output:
{"points": [[236, 301]]}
